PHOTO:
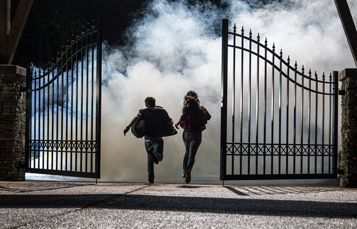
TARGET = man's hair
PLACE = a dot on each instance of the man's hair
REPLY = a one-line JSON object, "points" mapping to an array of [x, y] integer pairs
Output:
{"points": [[150, 101]]}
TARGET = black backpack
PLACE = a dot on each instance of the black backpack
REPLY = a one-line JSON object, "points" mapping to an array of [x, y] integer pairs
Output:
{"points": [[154, 123]]}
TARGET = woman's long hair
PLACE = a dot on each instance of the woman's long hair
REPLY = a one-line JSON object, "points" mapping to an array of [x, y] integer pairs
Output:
{"points": [[192, 108]]}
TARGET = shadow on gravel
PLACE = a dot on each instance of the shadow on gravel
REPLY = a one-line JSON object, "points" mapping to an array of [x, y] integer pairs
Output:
{"points": [[190, 186], [236, 191], [266, 190], [188, 204]]}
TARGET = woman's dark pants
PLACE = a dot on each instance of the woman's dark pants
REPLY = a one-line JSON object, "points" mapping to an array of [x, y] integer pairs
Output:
{"points": [[192, 141]]}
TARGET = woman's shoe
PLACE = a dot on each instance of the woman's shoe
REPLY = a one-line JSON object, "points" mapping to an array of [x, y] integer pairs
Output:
{"points": [[188, 176], [184, 174]]}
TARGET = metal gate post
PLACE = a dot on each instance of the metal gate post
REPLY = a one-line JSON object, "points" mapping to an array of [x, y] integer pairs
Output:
{"points": [[335, 122], [99, 97], [224, 98], [28, 116]]}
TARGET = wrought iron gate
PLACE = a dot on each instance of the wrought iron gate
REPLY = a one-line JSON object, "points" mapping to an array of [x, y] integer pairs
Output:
{"points": [[63, 117], [283, 122]]}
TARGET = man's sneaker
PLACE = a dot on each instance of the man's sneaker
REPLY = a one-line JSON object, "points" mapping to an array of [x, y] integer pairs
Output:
{"points": [[188, 176], [151, 180], [154, 157], [184, 174]]}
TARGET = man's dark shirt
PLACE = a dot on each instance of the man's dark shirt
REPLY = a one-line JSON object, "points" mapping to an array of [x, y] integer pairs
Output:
{"points": [[155, 119]]}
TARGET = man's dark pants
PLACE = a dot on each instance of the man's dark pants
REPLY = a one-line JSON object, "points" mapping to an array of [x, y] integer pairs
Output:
{"points": [[157, 146]]}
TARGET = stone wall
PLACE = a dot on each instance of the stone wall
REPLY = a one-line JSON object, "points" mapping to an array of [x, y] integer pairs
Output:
{"points": [[12, 122], [348, 160]]}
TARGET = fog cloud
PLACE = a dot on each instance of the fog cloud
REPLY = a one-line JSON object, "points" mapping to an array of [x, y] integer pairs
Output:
{"points": [[175, 47]]}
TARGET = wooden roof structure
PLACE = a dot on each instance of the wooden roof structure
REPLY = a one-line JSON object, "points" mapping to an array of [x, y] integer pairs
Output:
{"points": [[348, 26], [10, 33]]}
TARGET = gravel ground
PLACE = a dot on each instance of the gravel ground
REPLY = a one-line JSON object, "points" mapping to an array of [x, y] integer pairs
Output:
{"points": [[32, 204]]}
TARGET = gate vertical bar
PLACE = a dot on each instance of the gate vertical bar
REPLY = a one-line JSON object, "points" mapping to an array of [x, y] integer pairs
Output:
{"points": [[330, 121], [316, 126], [287, 116], [302, 123], [28, 117], [48, 120], [272, 112], [280, 105], [241, 106], [43, 121], [257, 109], [309, 121], [265, 102], [224, 75], [39, 124], [92, 103], [67, 100], [57, 122], [76, 118], [60, 69], [35, 149], [335, 122], [72, 104], [295, 129], [99, 96], [87, 99], [52, 118], [82, 101], [323, 122], [249, 99], [234, 97]]}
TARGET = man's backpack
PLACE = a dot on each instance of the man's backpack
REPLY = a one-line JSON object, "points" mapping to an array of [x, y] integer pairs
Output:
{"points": [[156, 126]]}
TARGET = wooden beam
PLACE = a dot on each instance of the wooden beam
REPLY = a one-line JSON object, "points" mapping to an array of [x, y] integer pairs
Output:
{"points": [[348, 25], [17, 27], [5, 8]]}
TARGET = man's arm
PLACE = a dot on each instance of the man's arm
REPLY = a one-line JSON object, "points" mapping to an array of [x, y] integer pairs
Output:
{"points": [[170, 121], [134, 120]]}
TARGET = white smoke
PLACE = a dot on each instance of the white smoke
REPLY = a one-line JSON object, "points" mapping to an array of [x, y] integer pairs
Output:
{"points": [[174, 48]]}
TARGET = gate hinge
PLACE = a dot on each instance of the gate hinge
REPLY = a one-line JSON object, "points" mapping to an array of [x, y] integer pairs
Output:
{"points": [[341, 92]]}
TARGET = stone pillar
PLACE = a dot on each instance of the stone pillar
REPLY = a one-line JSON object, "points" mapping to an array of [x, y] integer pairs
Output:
{"points": [[12, 122], [348, 160]]}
